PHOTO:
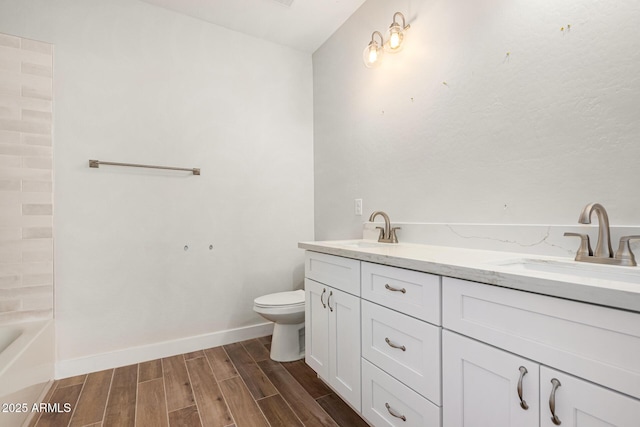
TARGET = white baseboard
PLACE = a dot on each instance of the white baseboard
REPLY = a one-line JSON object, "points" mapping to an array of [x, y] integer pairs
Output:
{"points": [[129, 356]]}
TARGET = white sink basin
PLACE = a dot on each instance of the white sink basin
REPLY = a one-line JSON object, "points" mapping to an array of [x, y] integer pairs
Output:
{"points": [[572, 268], [362, 244]]}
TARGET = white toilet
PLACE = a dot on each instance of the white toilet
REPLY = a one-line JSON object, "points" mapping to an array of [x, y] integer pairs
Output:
{"points": [[286, 310]]}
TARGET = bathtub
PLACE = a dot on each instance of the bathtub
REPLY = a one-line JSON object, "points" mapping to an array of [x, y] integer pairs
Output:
{"points": [[26, 368]]}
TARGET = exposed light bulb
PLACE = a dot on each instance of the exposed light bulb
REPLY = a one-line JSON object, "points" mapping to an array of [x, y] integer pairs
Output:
{"points": [[373, 54], [394, 41]]}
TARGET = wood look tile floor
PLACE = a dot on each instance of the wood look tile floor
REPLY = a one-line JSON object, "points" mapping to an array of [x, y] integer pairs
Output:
{"points": [[235, 385]]}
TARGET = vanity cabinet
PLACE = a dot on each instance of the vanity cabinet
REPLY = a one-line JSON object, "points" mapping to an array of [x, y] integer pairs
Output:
{"points": [[553, 339], [332, 323], [407, 348]]}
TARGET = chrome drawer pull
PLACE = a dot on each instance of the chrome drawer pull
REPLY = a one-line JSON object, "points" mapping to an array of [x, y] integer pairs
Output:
{"points": [[401, 347], [552, 402], [324, 291], [403, 290], [523, 403], [392, 412]]}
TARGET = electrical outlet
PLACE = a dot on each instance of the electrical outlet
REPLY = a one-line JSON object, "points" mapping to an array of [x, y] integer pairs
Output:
{"points": [[357, 203]]}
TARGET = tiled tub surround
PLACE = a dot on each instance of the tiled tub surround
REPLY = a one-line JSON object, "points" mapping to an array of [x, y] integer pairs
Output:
{"points": [[26, 194], [26, 221], [553, 338]]}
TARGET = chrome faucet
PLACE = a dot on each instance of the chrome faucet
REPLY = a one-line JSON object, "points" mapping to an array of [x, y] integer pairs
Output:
{"points": [[388, 233], [604, 236], [604, 252]]}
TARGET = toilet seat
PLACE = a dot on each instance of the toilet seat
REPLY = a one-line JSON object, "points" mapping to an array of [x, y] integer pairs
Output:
{"points": [[281, 299]]}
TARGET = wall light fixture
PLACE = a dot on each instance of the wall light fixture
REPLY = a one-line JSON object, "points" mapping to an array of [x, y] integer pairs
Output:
{"points": [[395, 34], [373, 51], [395, 38]]}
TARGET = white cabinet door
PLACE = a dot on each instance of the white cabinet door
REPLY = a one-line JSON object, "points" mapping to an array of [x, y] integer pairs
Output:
{"points": [[579, 403], [332, 338], [344, 345], [316, 324], [481, 385]]}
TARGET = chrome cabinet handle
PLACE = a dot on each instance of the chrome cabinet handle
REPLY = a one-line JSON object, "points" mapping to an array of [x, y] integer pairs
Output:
{"points": [[324, 291], [403, 290], [393, 412], [552, 402], [523, 403], [329, 300], [400, 347]]}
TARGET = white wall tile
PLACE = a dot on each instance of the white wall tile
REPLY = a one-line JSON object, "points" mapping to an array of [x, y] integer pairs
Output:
{"points": [[37, 279], [37, 162], [9, 256], [10, 233], [9, 41], [37, 233], [9, 137], [10, 185], [10, 161], [37, 209], [44, 140], [37, 186], [36, 116], [10, 280], [9, 305], [36, 46], [35, 69]]}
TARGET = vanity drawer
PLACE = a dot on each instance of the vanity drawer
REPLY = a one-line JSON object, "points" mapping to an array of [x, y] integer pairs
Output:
{"points": [[411, 292], [337, 272], [379, 389], [596, 343], [418, 364]]}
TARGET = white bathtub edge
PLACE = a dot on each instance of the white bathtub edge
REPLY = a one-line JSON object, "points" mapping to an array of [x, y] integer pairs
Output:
{"points": [[28, 369], [29, 360], [128, 356]]}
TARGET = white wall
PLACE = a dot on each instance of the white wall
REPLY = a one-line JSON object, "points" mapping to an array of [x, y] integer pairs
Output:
{"points": [[528, 138], [136, 83]]}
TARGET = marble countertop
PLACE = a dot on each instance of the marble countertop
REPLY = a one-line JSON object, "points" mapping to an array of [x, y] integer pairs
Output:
{"points": [[611, 286]]}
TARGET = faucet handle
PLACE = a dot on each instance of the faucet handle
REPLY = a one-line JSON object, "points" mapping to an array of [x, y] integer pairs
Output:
{"points": [[585, 245], [624, 253], [394, 237], [381, 237]]}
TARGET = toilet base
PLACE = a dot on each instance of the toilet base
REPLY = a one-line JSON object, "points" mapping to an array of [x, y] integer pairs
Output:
{"points": [[287, 342]]}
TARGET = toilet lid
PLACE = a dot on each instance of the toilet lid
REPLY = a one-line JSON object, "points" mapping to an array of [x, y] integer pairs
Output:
{"points": [[281, 298]]}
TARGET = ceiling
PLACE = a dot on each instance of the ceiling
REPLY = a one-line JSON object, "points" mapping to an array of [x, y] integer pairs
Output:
{"points": [[304, 25]]}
